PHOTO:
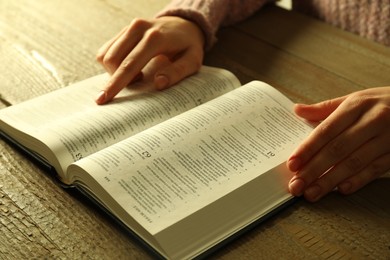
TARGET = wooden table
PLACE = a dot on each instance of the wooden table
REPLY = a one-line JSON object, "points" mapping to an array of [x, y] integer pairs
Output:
{"points": [[48, 44]]}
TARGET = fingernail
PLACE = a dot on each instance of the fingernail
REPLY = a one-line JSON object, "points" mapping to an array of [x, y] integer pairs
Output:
{"points": [[313, 193], [296, 187], [101, 98], [161, 82], [345, 187], [294, 164]]}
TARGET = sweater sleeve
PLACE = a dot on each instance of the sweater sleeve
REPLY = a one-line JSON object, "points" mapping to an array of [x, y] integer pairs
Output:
{"points": [[209, 15]]}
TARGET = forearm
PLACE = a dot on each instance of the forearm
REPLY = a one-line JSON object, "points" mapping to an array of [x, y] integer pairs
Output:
{"points": [[210, 15]]}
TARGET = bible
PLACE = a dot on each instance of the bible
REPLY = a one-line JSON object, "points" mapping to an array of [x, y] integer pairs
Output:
{"points": [[183, 169]]}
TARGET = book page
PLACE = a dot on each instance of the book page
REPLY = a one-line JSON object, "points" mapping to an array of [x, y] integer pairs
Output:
{"points": [[166, 173], [70, 123]]}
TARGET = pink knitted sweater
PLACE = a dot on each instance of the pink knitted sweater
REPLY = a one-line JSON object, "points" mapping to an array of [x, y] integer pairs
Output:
{"points": [[367, 18]]}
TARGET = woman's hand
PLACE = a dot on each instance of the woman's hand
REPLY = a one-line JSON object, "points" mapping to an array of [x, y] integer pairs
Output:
{"points": [[173, 45], [349, 148]]}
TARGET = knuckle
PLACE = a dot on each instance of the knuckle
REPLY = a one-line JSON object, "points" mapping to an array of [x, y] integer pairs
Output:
{"points": [[359, 99], [324, 130], [307, 151], [111, 61], [336, 149], [126, 65], [138, 23], [161, 59], [381, 116], [153, 36], [353, 164], [99, 57]]}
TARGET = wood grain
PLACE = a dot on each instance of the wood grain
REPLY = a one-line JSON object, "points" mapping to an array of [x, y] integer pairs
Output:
{"points": [[306, 59], [48, 44]]}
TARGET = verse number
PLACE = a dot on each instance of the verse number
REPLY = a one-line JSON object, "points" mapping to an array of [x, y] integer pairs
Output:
{"points": [[78, 156], [270, 154], [146, 154]]}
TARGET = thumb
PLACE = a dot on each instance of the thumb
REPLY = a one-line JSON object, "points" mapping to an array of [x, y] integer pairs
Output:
{"points": [[319, 111]]}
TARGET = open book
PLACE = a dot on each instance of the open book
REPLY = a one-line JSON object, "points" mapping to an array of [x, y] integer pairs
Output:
{"points": [[184, 169]]}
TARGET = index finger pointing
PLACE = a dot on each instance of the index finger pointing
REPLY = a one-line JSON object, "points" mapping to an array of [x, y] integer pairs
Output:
{"points": [[150, 45]]}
